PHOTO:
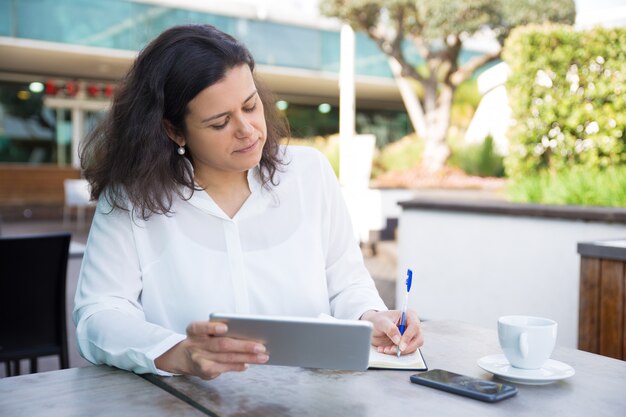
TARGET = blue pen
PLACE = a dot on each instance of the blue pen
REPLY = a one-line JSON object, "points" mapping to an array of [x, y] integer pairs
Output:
{"points": [[402, 326]]}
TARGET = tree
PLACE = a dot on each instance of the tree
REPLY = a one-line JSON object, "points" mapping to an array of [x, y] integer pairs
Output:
{"points": [[437, 30]]}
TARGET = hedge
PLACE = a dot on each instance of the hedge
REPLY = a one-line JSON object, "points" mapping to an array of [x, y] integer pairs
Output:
{"points": [[567, 92]]}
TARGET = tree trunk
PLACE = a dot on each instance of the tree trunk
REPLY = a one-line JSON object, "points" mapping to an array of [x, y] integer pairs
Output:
{"points": [[438, 110], [431, 123], [411, 102]]}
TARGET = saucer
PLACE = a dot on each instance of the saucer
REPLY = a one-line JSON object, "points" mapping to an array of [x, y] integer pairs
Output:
{"points": [[550, 372]]}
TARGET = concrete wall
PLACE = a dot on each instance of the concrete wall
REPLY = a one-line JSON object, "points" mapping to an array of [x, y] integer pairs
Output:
{"points": [[477, 267]]}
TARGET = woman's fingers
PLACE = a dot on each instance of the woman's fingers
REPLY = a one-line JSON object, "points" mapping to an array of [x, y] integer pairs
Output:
{"points": [[206, 328], [386, 327], [222, 344], [209, 336], [389, 350], [389, 328], [211, 353], [206, 352], [412, 337], [199, 356], [225, 355], [387, 337], [208, 369]]}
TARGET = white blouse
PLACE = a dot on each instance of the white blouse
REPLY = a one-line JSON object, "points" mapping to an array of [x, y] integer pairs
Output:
{"points": [[288, 251]]}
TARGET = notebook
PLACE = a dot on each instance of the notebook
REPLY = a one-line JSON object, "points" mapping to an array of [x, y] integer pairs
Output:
{"points": [[414, 361]]}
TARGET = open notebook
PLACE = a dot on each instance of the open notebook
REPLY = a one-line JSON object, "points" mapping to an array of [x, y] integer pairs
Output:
{"points": [[414, 361]]}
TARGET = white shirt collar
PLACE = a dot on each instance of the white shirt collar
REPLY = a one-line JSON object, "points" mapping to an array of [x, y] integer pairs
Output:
{"points": [[204, 202]]}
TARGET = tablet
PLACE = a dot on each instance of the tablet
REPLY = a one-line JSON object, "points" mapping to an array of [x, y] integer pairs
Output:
{"points": [[305, 342]]}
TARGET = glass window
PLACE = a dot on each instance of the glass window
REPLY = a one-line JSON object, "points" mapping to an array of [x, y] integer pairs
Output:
{"points": [[92, 119], [330, 51], [6, 18], [281, 45], [27, 130], [387, 125], [129, 25], [31, 132], [159, 18], [63, 136], [307, 121], [81, 22], [369, 60]]}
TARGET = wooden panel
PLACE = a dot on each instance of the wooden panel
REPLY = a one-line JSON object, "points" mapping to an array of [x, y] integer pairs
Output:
{"points": [[624, 316], [589, 305], [611, 308], [43, 184]]}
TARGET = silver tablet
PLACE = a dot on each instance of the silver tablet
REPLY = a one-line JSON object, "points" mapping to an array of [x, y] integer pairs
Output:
{"points": [[305, 342]]}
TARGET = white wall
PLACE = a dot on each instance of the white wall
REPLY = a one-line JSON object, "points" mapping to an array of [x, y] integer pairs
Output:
{"points": [[477, 267], [370, 208], [389, 201]]}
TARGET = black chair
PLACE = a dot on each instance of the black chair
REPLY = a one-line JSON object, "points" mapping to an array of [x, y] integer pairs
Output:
{"points": [[32, 299]]}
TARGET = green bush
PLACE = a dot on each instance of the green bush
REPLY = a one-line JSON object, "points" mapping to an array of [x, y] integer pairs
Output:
{"points": [[567, 91], [467, 93], [400, 155], [575, 186], [479, 159]]}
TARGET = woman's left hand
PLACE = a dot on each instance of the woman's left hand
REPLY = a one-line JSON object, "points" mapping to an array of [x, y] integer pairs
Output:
{"points": [[386, 336]]}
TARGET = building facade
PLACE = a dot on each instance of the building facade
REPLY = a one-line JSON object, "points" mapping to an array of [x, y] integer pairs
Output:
{"points": [[60, 61]]}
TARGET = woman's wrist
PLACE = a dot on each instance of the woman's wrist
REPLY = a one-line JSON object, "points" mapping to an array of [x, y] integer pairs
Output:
{"points": [[172, 360], [368, 314]]}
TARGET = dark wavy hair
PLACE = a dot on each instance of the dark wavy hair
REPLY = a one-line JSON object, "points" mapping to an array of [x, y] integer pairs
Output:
{"points": [[130, 157]]}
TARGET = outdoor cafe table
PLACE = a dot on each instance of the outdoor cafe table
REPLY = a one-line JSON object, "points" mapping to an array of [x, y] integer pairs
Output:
{"points": [[88, 392], [597, 389]]}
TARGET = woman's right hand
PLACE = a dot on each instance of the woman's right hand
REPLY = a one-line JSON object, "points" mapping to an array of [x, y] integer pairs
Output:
{"points": [[206, 353]]}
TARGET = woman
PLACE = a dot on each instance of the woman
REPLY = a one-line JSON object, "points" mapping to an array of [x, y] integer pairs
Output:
{"points": [[200, 210]]}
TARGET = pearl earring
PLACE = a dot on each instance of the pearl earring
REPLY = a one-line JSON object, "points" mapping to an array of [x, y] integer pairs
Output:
{"points": [[181, 150]]}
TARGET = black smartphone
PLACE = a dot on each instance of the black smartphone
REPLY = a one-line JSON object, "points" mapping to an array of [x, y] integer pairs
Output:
{"points": [[479, 389]]}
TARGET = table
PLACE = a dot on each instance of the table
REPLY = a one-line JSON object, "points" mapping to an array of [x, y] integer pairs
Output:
{"points": [[598, 388], [91, 391]]}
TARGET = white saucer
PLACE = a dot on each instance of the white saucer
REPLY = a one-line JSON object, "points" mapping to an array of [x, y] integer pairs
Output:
{"points": [[550, 372]]}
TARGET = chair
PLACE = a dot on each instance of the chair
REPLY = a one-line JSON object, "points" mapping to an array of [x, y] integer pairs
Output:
{"points": [[32, 299], [77, 195]]}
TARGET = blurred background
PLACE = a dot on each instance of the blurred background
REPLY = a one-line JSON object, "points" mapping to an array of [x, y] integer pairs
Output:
{"points": [[512, 101], [61, 60]]}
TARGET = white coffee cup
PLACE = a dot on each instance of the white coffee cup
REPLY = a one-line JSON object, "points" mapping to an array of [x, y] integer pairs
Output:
{"points": [[527, 342]]}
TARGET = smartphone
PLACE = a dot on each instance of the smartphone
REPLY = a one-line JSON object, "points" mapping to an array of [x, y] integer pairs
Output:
{"points": [[479, 389]]}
